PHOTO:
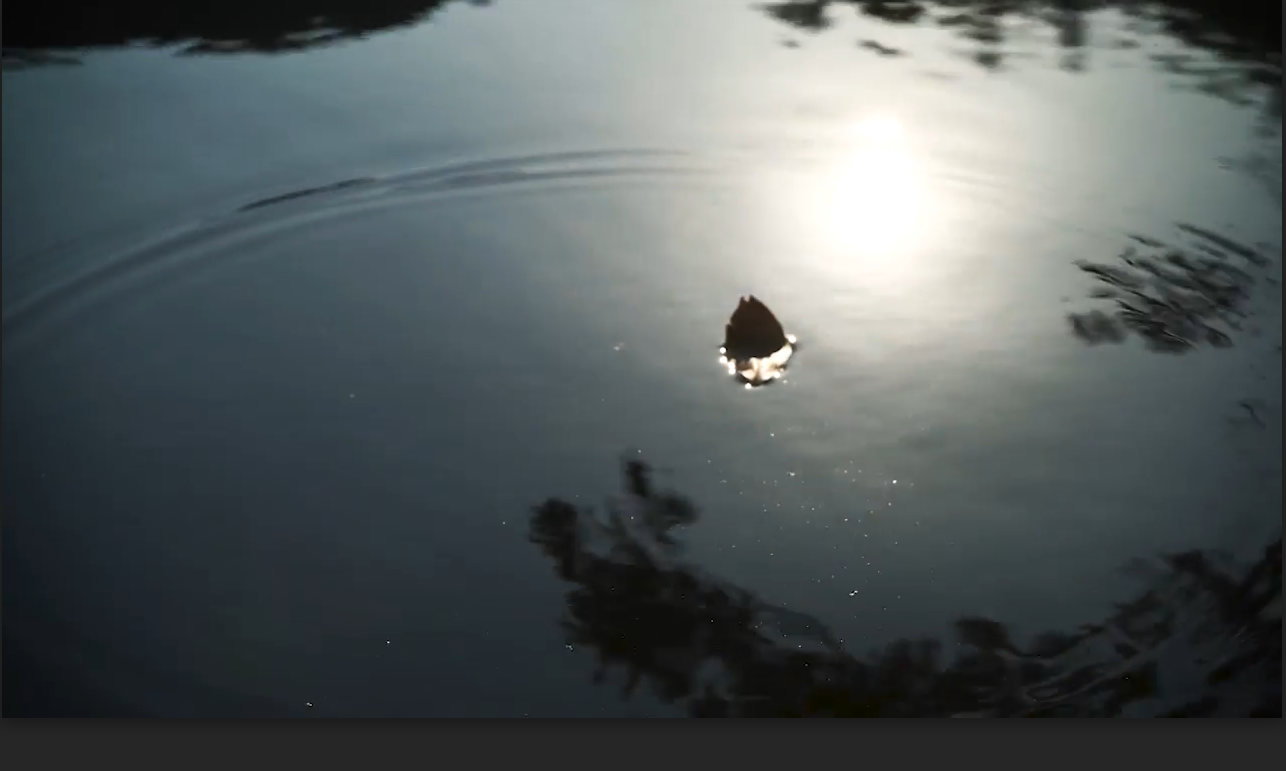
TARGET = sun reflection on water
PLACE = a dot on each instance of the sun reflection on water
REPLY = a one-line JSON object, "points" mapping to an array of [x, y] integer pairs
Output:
{"points": [[874, 199]]}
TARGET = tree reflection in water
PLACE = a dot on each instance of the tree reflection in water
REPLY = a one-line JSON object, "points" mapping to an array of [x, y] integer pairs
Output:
{"points": [[718, 650], [1175, 298], [1243, 38]]}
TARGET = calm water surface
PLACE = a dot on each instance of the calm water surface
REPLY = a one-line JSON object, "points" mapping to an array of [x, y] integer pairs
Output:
{"points": [[275, 454]]}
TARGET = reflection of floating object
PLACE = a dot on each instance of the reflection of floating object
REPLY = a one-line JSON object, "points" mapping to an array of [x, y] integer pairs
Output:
{"points": [[756, 371], [755, 347]]}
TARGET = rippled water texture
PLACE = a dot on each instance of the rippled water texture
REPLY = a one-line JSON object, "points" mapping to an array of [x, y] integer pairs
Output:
{"points": [[293, 344]]}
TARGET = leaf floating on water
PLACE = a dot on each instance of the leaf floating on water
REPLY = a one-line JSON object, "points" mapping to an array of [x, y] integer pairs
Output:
{"points": [[755, 346], [753, 330]]}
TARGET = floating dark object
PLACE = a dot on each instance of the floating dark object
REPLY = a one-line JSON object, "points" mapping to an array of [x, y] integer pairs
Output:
{"points": [[753, 331], [755, 346]]}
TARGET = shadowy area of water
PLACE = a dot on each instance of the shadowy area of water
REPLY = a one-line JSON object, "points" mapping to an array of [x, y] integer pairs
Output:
{"points": [[43, 33], [1202, 639], [54, 670]]}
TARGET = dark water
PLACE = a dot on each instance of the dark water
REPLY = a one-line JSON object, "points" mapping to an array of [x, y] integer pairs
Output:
{"points": [[319, 325]]}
